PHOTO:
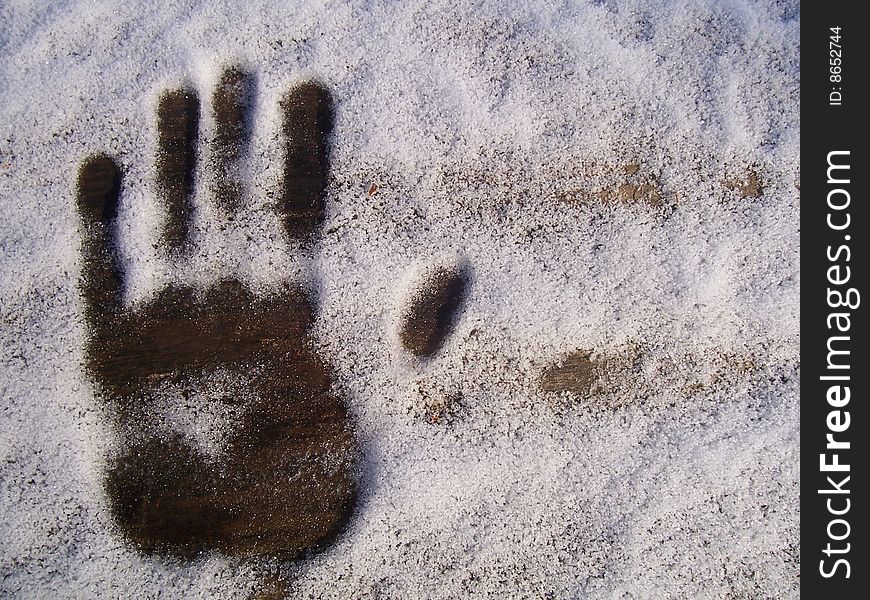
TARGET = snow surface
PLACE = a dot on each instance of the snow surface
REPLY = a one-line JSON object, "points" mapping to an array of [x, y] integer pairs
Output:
{"points": [[474, 119]]}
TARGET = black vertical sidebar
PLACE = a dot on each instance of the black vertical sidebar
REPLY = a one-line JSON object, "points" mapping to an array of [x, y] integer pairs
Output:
{"points": [[835, 372]]}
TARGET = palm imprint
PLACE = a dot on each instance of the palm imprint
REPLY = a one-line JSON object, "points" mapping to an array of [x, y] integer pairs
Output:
{"points": [[283, 479]]}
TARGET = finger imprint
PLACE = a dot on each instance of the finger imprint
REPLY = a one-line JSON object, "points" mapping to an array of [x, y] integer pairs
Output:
{"points": [[232, 103], [177, 131], [307, 124]]}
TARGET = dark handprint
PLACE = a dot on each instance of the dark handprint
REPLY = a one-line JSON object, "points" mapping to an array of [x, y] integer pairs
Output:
{"points": [[284, 480]]}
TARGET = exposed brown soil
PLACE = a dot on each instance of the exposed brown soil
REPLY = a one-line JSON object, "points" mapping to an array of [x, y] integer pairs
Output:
{"points": [[749, 186], [585, 374], [429, 317], [286, 479], [639, 192], [577, 373], [633, 186]]}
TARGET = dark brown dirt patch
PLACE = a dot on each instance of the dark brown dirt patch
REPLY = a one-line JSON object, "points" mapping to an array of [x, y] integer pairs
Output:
{"points": [[578, 373], [749, 186]]}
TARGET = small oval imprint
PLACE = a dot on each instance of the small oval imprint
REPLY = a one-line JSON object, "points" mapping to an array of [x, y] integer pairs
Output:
{"points": [[431, 313]]}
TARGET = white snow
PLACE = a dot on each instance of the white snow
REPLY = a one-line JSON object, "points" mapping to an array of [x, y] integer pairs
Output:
{"points": [[473, 119]]}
